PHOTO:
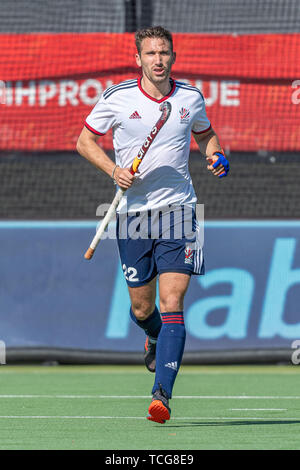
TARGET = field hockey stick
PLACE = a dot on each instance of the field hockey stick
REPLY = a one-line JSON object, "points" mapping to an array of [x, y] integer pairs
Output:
{"points": [[165, 108]]}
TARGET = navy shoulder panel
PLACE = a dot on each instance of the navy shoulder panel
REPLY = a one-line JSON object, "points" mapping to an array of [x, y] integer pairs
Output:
{"points": [[188, 87], [121, 86]]}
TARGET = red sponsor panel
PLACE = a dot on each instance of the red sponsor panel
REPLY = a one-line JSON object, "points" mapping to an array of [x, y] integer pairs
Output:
{"points": [[50, 82]]}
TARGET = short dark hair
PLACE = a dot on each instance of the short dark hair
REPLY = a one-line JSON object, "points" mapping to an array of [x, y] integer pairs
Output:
{"points": [[153, 32]]}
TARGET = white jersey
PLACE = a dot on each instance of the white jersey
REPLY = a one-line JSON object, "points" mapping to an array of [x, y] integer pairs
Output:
{"points": [[163, 176]]}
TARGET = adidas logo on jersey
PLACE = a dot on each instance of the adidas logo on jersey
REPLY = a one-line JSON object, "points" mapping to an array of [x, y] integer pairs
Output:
{"points": [[172, 365], [135, 115]]}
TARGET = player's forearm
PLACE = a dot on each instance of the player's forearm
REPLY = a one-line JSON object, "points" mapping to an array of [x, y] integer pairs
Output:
{"points": [[90, 150], [209, 144]]}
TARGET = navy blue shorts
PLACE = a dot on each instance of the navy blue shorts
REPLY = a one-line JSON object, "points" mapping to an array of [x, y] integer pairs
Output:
{"points": [[144, 257]]}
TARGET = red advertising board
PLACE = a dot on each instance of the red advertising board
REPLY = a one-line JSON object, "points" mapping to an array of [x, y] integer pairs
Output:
{"points": [[50, 82]]}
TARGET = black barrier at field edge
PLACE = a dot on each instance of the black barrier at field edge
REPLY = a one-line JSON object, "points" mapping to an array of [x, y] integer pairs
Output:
{"points": [[77, 356]]}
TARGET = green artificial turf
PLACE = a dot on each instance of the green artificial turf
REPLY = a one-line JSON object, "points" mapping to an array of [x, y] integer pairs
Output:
{"points": [[105, 407]]}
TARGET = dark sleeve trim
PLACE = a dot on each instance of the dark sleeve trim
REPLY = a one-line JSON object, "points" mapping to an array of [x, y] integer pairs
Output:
{"points": [[92, 130], [202, 132]]}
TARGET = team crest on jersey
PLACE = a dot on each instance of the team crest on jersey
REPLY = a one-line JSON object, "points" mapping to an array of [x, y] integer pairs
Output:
{"points": [[184, 115], [135, 115], [188, 253]]}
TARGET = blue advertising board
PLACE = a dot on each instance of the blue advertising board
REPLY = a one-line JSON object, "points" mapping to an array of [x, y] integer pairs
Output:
{"points": [[50, 296]]}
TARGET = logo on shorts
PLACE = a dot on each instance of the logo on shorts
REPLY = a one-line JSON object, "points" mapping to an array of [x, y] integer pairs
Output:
{"points": [[188, 252], [184, 115]]}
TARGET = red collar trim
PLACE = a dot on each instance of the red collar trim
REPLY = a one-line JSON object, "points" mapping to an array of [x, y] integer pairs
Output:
{"points": [[154, 99]]}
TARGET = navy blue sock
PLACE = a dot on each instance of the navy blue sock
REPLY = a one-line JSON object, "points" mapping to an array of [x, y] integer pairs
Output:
{"points": [[151, 325], [169, 351]]}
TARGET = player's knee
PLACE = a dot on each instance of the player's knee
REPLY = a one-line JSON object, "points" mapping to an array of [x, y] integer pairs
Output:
{"points": [[171, 303], [142, 310]]}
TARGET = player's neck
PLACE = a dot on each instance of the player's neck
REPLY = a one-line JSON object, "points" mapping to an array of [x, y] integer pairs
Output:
{"points": [[156, 90]]}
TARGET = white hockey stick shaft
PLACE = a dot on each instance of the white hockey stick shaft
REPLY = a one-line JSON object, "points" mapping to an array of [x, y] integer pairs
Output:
{"points": [[109, 216], [166, 110]]}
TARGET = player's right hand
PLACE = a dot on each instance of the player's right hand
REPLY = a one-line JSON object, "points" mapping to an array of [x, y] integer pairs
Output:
{"points": [[123, 178]]}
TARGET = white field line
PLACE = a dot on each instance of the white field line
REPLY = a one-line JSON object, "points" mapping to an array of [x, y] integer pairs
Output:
{"points": [[189, 418], [257, 409], [180, 397]]}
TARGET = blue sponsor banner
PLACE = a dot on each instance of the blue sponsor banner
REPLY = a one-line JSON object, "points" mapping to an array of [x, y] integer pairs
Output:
{"points": [[50, 296]]}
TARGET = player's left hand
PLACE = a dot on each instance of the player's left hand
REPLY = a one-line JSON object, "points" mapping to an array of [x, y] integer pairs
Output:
{"points": [[218, 164]]}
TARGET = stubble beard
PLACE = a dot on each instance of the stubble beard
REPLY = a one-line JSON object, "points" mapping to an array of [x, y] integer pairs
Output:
{"points": [[157, 80]]}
